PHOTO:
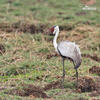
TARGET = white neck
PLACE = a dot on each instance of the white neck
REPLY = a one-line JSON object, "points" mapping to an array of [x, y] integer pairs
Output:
{"points": [[55, 40]]}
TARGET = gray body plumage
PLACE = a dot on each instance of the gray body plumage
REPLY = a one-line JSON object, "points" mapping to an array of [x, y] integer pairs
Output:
{"points": [[70, 50]]}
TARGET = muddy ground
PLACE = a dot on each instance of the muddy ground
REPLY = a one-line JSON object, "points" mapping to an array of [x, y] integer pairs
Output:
{"points": [[22, 27], [86, 84], [30, 28], [92, 57], [2, 49], [95, 70], [36, 28]]}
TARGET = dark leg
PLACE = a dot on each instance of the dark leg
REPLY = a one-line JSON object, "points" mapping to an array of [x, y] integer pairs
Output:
{"points": [[63, 71], [76, 73], [77, 76]]}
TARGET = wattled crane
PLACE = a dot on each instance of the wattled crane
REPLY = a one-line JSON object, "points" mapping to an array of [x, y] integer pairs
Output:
{"points": [[67, 49]]}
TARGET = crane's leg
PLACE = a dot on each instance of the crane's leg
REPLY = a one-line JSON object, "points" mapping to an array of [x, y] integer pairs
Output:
{"points": [[77, 77], [76, 73], [63, 71]]}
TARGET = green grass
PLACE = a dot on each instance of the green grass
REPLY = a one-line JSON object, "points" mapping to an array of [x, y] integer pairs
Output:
{"points": [[45, 11], [25, 60]]}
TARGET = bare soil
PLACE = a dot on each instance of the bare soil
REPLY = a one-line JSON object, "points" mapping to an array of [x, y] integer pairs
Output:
{"points": [[29, 90], [97, 85], [2, 49], [95, 70], [93, 57], [23, 27], [81, 13], [30, 28], [35, 91], [52, 55], [52, 85], [67, 27], [91, 85], [86, 84]]}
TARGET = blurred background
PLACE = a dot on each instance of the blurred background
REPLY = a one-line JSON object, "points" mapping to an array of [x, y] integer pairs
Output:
{"points": [[56, 12]]}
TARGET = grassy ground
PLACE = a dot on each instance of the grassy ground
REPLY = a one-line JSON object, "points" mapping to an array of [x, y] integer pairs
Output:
{"points": [[28, 57]]}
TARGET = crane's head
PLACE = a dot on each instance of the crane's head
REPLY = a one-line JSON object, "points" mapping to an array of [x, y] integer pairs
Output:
{"points": [[54, 29]]}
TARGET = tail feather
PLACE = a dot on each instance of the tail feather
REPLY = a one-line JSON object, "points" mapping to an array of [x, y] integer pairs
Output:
{"points": [[77, 58]]}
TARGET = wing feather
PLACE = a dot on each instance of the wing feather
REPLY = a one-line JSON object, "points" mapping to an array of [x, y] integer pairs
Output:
{"points": [[70, 50]]}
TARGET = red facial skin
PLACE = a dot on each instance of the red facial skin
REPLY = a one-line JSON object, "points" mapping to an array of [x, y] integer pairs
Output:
{"points": [[52, 29]]}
